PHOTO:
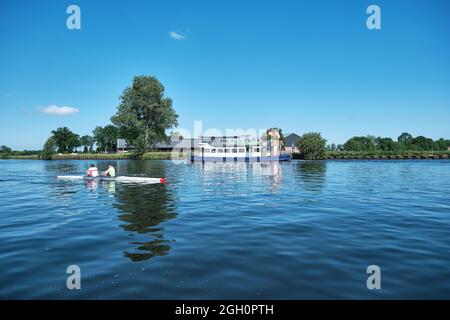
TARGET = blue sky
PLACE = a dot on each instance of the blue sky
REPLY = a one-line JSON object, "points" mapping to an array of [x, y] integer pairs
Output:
{"points": [[299, 65]]}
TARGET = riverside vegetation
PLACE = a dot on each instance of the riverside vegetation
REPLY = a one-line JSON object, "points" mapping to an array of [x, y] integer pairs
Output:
{"points": [[311, 145], [144, 115]]}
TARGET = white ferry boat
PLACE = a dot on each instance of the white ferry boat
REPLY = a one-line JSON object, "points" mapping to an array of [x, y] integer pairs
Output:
{"points": [[237, 149]]}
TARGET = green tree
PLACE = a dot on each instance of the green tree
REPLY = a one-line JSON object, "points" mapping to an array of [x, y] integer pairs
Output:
{"points": [[106, 138], [422, 143], [366, 143], [5, 149], [5, 152], [385, 144], [312, 146], [87, 142], [65, 140], [352, 145], [442, 144], [405, 138], [144, 114], [49, 149]]}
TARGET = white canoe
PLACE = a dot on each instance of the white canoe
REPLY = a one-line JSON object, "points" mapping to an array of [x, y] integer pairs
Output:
{"points": [[124, 179]]}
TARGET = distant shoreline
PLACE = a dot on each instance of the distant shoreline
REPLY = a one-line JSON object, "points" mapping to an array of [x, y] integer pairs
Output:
{"points": [[339, 155]]}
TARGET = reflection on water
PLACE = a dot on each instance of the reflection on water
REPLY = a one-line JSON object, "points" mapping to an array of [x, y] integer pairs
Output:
{"points": [[273, 171], [244, 172], [145, 207], [142, 207], [312, 174], [93, 184]]}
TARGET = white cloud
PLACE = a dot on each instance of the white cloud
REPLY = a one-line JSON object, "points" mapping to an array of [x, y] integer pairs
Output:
{"points": [[60, 111], [177, 36]]}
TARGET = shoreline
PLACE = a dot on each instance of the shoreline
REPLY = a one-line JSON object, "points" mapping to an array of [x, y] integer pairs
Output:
{"points": [[95, 156], [168, 156]]}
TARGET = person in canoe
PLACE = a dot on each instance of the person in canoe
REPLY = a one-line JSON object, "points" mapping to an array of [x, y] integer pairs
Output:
{"points": [[92, 171], [111, 172]]}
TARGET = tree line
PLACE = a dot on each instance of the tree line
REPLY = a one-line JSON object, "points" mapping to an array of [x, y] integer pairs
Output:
{"points": [[6, 152], [63, 140], [405, 142], [312, 146]]}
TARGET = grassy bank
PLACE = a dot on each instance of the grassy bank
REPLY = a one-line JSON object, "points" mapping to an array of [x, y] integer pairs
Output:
{"points": [[97, 156], [340, 155], [112, 156], [22, 157], [382, 155]]}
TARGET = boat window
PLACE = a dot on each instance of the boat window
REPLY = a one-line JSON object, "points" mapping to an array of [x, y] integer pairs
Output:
{"points": [[256, 149], [207, 150], [227, 150], [220, 150], [241, 150], [234, 150]]}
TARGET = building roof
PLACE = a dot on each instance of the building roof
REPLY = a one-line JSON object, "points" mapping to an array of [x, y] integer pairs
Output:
{"points": [[291, 139]]}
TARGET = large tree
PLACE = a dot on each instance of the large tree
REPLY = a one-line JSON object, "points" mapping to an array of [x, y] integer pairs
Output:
{"points": [[144, 114], [5, 152], [65, 140], [405, 138], [312, 146], [106, 138], [5, 149]]}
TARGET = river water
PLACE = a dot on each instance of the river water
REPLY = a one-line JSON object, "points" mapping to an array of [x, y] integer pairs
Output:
{"points": [[298, 230]]}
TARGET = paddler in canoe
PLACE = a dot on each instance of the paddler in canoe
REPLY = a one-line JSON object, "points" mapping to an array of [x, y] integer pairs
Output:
{"points": [[111, 172], [92, 171]]}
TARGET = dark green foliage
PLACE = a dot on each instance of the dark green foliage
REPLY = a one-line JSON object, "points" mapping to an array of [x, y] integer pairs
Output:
{"points": [[106, 138], [144, 114], [312, 146], [48, 150], [5, 152], [366, 143], [65, 140], [405, 138], [405, 142]]}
